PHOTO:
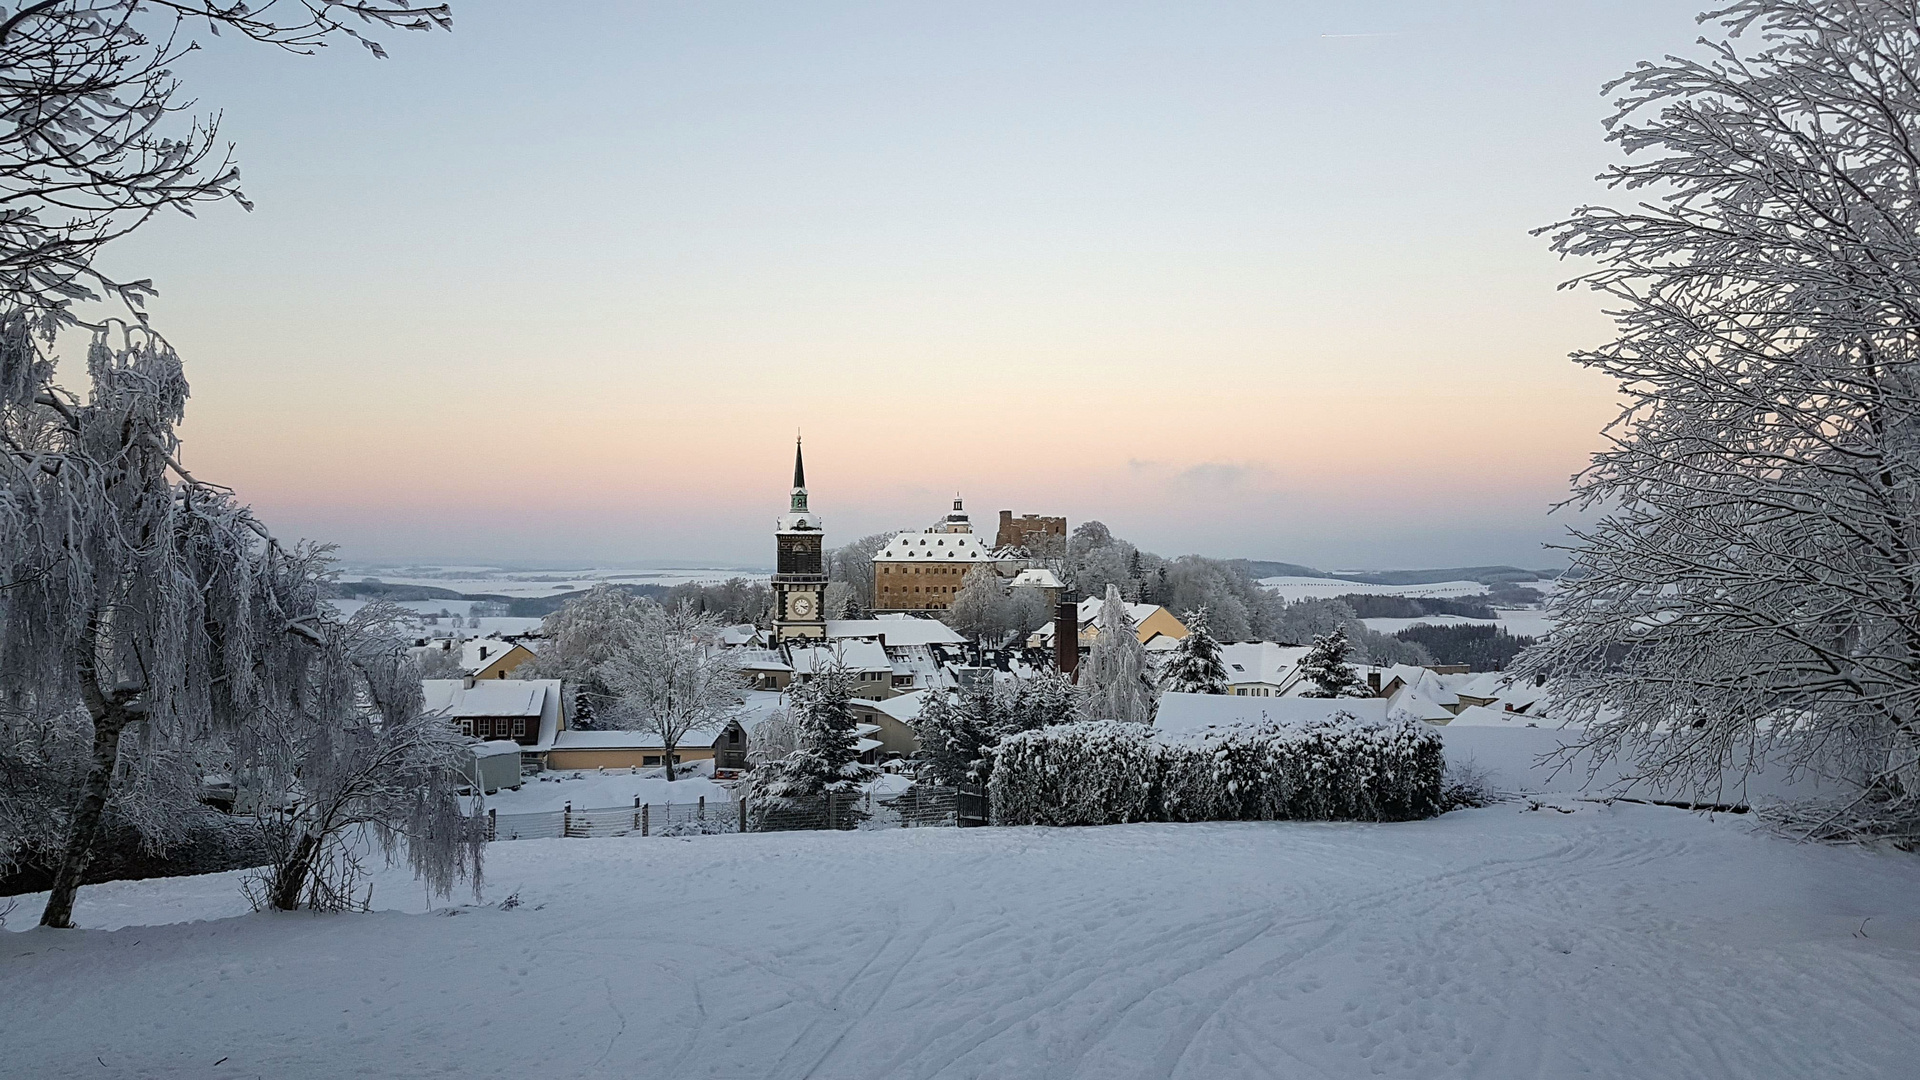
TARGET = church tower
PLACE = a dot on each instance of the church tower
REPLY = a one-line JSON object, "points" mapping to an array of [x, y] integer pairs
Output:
{"points": [[800, 571]]}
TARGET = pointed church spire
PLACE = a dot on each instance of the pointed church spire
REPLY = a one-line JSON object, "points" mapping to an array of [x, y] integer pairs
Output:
{"points": [[799, 465]]}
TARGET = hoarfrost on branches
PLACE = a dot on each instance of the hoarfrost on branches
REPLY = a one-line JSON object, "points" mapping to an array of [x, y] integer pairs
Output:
{"points": [[669, 676], [1751, 594], [1116, 678], [346, 764], [1092, 772], [94, 140]]}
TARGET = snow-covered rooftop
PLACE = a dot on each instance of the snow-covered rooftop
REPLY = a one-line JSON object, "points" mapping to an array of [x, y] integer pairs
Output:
{"points": [[487, 697], [1264, 663], [1035, 577], [896, 630], [935, 547], [856, 654], [455, 700]]}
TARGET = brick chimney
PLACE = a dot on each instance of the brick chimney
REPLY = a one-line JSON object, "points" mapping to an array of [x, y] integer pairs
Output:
{"points": [[1066, 635]]}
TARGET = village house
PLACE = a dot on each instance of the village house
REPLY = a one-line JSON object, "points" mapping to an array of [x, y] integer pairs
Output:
{"points": [[865, 661], [1150, 621], [528, 711], [892, 722], [726, 747], [482, 658], [1261, 668]]}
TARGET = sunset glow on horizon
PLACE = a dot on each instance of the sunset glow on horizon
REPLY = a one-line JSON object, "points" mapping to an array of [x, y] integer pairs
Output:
{"points": [[1249, 281]]}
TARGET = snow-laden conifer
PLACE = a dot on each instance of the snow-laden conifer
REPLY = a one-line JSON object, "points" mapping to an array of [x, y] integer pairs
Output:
{"points": [[1116, 677], [1748, 595], [1326, 670], [959, 729], [825, 759], [1195, 667]]}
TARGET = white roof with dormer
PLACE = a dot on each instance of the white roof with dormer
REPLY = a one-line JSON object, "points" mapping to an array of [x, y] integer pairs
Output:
{"points": [[1036, 577], [940, 547]]}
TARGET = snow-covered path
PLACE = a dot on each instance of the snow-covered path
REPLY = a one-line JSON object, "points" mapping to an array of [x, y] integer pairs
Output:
{"points": [[1621, 941]]}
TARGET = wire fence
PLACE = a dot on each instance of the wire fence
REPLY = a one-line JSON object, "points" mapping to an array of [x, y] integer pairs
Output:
{"points": [[921, 806]]}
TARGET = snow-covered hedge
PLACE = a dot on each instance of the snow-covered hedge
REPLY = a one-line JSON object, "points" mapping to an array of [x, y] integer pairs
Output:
{"points": [[1096, 772], [1333, 770]]}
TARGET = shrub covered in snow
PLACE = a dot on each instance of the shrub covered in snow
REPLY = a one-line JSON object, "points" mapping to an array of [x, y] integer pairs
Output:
{"points": [[1102, 773], [1096, 772], [1332, 770]]}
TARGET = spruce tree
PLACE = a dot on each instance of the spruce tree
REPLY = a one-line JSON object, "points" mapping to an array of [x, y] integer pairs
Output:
{"points": [[825, 759], [1195, 666], [1326, 667]]}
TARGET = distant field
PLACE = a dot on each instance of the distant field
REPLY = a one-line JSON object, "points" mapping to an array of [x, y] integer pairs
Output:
{"points": [[519, 584], [1308, 588]]}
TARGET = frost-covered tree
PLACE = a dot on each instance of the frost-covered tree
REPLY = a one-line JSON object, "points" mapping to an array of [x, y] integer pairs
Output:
{"points": [[981, 609], [1195, 666], [1750, 591], [134, 598], [954, 737], [839, 602], [1325, 667], [346, 760], [826, 755], [669, 677], [96, 137], [852, 563], [958, 729], [581, 637], [153, 602], [1027, 611], [1116, 679]]}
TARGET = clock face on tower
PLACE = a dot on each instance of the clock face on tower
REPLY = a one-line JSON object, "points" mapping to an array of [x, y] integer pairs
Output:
{"points": [[802, 605]]}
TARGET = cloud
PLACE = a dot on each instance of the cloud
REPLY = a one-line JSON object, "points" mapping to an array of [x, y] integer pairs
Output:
{"points": [[1224, 476]]}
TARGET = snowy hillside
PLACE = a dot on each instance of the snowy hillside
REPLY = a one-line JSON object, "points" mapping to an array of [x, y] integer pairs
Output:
{"points": [[1609, 941]]}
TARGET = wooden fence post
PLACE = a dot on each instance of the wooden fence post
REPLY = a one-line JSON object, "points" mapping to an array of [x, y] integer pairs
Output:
{"points": [[703, 809], [743, 811], [493, 824], [644, 808], [566, 820]]}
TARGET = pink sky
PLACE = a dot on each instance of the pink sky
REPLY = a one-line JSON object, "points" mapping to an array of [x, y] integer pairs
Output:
{"points": [[1226, 283]]}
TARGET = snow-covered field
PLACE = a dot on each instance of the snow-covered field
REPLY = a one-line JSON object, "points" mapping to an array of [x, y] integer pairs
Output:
{"points": [[1609, 941], [529, 583], [1291, 589]]}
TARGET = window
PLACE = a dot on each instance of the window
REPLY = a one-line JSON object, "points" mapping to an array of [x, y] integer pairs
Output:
{"points": [[519, 726], [466, 727], [650, 759]]}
